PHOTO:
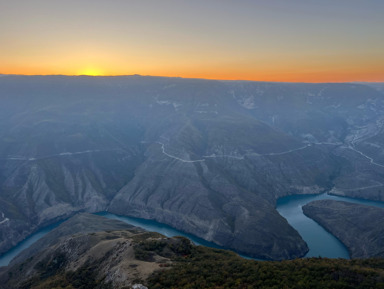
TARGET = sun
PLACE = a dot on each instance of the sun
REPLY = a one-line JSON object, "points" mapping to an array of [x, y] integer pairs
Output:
{"points": [[91, 72]]}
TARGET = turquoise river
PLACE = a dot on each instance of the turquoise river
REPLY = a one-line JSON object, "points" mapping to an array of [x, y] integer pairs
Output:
{"points": [[320, 242]]}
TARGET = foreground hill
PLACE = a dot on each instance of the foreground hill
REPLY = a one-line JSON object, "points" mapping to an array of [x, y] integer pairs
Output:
{"points": [[359, 227], [89, 251], [124, 257], [207, 157]]}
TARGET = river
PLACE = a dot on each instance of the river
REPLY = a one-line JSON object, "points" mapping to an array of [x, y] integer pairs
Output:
{"points": [[320, 242], [163, 229], [12, 253]]}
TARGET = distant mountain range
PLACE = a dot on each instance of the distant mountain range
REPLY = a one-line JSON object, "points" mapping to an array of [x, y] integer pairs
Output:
{"points": [[207, 157]]}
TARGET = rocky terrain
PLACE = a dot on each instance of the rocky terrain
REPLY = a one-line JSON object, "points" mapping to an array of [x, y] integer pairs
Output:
{"points": [[91, 257], [127, 257], [359, 227], [207, 157]]}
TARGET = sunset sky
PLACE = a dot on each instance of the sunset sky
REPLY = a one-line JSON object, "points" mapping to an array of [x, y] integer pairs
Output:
{"points": [[267, 40]]}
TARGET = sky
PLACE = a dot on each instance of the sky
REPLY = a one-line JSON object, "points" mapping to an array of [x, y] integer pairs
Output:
{"points": [[264, 40]]}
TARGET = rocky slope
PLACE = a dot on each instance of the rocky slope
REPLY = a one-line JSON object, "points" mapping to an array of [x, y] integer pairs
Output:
{"points": [[81, 253], [82, 223], [127, 257], [359, 227], [207, 157]]}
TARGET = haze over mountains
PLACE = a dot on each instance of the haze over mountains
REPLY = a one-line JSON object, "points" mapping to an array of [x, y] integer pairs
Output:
{"points": [[207, 157]]}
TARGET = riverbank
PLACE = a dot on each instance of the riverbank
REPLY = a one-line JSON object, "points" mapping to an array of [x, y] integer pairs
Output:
{"points": [[320, 241], [364, 236]]}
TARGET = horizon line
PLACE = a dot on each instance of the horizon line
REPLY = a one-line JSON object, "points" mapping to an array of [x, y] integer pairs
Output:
{"points": [[199, 78]]}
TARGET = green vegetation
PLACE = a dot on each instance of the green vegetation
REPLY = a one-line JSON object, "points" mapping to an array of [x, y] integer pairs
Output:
{"points": [[212, 268], [51, 274], [183, 265], [83, 278], [165, 247]]}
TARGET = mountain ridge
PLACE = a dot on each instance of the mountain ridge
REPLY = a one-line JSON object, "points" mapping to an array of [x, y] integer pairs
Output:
{"points": [[207, 157]]}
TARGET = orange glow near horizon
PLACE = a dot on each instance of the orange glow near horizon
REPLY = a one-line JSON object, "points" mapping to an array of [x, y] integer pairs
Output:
{"points": [[292, 76], [287, 67], [91, 72], [280, 41]]}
